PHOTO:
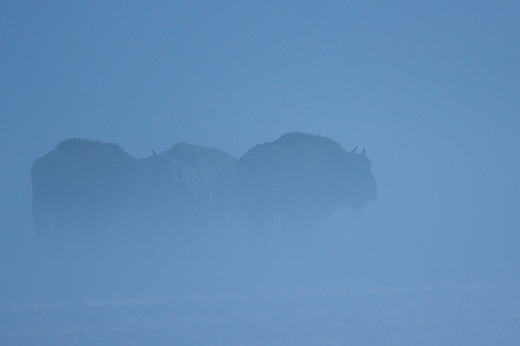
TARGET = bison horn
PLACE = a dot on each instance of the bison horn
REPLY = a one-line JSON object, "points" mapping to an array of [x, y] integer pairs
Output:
{"points": [[353, 151], [154, 153], [363, 152]]}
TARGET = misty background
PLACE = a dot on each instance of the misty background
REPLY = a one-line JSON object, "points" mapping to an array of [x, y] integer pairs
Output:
{"points": [[431, 90]]}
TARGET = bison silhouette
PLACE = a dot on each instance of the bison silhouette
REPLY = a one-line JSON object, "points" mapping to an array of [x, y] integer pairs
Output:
{"points": [[299, 179], [79, 189], [82, 187], [187, 190]]}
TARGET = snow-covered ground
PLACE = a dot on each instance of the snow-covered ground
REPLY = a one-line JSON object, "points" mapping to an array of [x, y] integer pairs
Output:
{"points": [[230, 294], [449, 315]]}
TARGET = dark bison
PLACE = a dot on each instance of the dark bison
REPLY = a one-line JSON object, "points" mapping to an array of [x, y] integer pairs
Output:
{"points": [[83, 186], [187, 189], [80, 188], [299, 179]]}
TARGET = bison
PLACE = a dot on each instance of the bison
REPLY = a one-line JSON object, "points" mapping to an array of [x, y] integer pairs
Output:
{"points": [[79, 189], [187, 189], [83, 186], [298, 180]]}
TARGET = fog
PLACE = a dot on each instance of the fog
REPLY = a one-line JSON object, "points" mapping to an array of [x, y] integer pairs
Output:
{"points": [[429, 90]]}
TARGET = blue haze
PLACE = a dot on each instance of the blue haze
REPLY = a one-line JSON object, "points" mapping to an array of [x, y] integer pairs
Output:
{"points": [[431, 90]]}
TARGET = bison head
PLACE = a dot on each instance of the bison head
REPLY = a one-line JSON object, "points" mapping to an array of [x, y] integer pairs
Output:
{"points": [[361, 186]]}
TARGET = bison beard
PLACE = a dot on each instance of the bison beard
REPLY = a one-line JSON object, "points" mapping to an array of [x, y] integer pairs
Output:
{"points": [[299, 179]]}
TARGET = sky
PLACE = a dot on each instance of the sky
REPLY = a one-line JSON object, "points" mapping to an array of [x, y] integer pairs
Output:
{"points": [[430, 89]]}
